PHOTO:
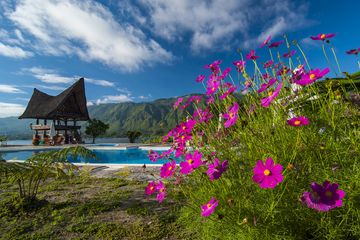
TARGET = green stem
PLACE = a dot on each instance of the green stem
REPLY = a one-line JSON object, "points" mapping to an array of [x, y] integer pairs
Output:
{"points": [[336, 60], [272, 58], [304, 56], [327, 59]]}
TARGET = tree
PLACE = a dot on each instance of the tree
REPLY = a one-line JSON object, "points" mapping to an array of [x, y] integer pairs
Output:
{"points": [[133, 135], [96, 128]]}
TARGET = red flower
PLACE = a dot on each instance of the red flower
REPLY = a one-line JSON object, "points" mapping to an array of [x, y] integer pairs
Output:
{"points": [[353, 51], [251, 55], [276, 44]]}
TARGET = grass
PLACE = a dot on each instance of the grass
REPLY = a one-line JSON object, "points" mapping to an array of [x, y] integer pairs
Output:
{"points": [[89, 208]]}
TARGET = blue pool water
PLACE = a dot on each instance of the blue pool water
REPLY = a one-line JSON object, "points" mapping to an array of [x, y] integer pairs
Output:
{"points": [[128, 156]]}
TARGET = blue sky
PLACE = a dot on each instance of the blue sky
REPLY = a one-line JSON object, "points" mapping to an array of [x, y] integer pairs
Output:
{"points": [[143, 50]]}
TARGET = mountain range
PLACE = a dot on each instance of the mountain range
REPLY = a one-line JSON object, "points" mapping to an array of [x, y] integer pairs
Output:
{"points": [[150, 118]]}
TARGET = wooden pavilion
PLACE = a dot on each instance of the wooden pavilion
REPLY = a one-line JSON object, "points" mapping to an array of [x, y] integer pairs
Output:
{"points": [[59, 114]]}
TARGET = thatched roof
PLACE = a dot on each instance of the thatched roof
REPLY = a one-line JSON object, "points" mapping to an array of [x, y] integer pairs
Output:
{"points": [[70, 104]]}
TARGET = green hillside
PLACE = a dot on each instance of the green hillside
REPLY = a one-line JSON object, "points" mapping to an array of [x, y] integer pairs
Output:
{"points": [[155, 117]]}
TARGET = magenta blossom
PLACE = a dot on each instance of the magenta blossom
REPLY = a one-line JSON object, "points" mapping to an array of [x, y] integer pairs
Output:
{"points": [[200, 78], [266, 42], [209, 208], [215, 170], [212, 87], [276, 44], [312, 76], [289, 54], [150, 189], [353, 51], [265, 102], [251, 55], [230, 90], [224, 73], [178, 102], [268, 175], [298, 121], [231, 116], [210, 100], [161, 189], [240, 65], [192, 161], [202, 115], [168, 169], [153, 156], [214, 67], [268, 64], [324, 197], [265, 86], [322, 36], [283, 71]]}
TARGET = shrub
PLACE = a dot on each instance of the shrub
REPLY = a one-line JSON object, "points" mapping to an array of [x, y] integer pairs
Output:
{"points": [[279, 162]]}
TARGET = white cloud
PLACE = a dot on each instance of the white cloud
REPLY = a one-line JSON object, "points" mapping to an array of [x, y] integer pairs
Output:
{"points": [[142, 97], [13, 51], [87, 29], [11, 109], [89, 103], [53, 77], [9, 89], [214, 24], [114, 99]]}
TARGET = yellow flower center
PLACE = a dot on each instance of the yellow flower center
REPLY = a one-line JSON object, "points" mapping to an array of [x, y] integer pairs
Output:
{"points": [[213, 89], [182, 137], [297, 122], [170, 168], [267, 172], [312, 76], [152, 188], [183, 127], [328, 194], [231, 115], [323, 36], [247, 82], [270, 93], [162, 189], [300, 66], [190, 161], [208, 205]]}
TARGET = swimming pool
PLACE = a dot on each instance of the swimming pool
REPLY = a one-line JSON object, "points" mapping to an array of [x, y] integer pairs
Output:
{"points": [[108, 156]]}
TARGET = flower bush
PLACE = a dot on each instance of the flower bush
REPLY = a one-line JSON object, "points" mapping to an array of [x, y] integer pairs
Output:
{"points": [[304, 124]]}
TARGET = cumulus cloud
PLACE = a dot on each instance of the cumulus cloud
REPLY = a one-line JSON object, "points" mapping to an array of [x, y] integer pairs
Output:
{"points": [[9, 89], [87, 29], [14, 51], [11, 109], [114, 99], [214, 24]]}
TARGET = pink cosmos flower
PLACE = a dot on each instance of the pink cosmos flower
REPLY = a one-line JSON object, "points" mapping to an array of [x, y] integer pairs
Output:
{"points": [[192, 161], [247, 85], [268, 175], [289, 54], [224, 73], [230, 90], [200, 78], [298, 121], [210, 100], [265, 42], [178, 102], [251, 55], [240, 65], [324, 197], [312, 76], [322, 36], [231, 116], [265, 102], [215, 170], [150, 189], [161, 189], [168, 169], [283, 71], [268, 64], [276, 44], [166, 154], [203, 115], [265, 86], [212, 87], [153, 156], [353, 51], [214, 67], [209, 208]]}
